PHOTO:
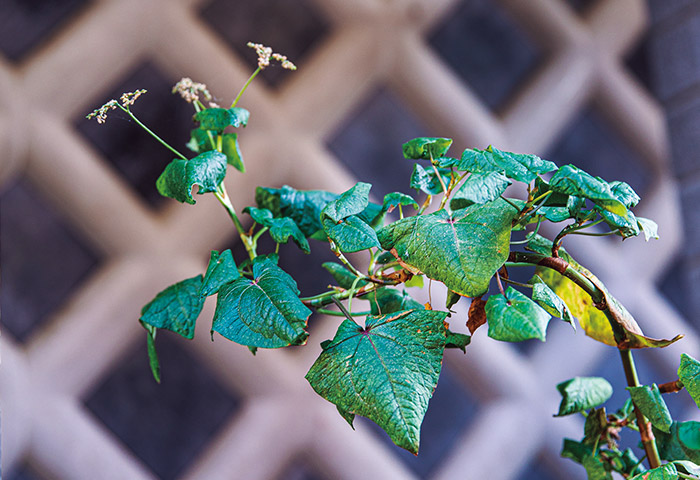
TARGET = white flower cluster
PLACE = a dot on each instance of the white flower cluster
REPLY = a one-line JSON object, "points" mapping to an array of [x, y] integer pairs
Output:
{"points": [[127, 99], [265, 54]]}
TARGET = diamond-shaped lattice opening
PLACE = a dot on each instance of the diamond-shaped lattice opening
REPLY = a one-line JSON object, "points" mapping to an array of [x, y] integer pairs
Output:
{"points": [[487, 49], [369, 143], [674, 287], [683, 127], [450, 412], [289, 27], [26, 24], [137, 156], [537, 470], [590, 143], [43, 260], [299, 469], [581, 6], [168, 424], [637, 62], [26, 472]]}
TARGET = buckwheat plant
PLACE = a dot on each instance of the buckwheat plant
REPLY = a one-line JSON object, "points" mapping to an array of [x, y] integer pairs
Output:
{"points": [[386, 366]]}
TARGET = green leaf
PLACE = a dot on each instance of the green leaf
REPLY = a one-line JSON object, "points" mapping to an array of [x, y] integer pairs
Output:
{"points": [[207, 170], [342, 276], [263, 312], [576, 451], [595, 425], [581, 393], [387, 300], [688, 467], [624, 193], [514, 317], [462, 249], [664, 472], [682, 443], [350, 202], [425, 147], [457, 340], [649, 228], [218, 119], [550, 301], [351, 234], [281, 229], [574, 181], [176, 308], [199, 141], [627, 225], [595, 468], [415, 281], [649, 401], [518, 166], [152, 354], [689, 374], [539, 244], [386, 371], [482, 187], [220, 271], [230, 148], [426, 180], [394, 199]]}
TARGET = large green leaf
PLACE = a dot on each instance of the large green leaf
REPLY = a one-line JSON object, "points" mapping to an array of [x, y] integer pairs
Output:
{"points": [[386, 300], [689, 374], [518, 166], [386, 371], [514, 317], [649, 401], [207, 170], [351, 234], [581, 393], [263, 312], [220, 271], [462, 249], [218, 119], [426, 147], [664, 472], [176, 308], [482, 187], [682, 443], [550, 301], [427, 181], [574, 181]]}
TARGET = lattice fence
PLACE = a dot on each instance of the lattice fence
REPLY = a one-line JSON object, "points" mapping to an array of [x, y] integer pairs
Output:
{"points": [[65, 413]]}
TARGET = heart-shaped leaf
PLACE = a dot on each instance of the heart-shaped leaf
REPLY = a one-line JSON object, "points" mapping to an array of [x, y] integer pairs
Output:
{"points": [[220, 271], [582, 393], [207, 170], [176, 308], [649, 401], [426, 147], [572, 180], [386, 371], [689, 374], [513, 317]]}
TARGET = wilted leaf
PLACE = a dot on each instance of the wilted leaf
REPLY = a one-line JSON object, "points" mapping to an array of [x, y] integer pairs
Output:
{"points": [[457, 340], [477, 314], [649, 228]]}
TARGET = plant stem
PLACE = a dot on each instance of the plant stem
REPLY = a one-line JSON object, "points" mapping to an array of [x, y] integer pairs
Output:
{"points": [[245, 86], [150, 132], [340, 314], [599, 299], [671, 387], [644, 425], [223, 198]]}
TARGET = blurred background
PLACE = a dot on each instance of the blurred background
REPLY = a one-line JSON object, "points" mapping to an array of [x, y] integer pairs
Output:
{"points": [[612, 86]]}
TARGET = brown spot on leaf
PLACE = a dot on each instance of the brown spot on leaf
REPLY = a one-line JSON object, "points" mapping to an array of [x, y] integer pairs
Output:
{"points": [[477, 314]]}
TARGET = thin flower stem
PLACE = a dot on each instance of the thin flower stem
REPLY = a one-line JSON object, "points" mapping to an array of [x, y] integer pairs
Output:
{"points": [[340, 314], [150, 132], [513, 282], [245, 86], [223, 198]]}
